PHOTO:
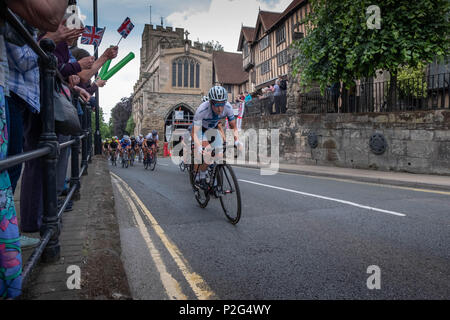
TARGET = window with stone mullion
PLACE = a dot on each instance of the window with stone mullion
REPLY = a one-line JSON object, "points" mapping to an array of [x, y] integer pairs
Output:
{"points": [[174, 74], [186, 73], [180, 73], [192, 73], [197, 72]]}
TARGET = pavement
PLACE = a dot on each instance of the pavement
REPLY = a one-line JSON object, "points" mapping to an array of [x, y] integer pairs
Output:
{"points": [[90, 238]]}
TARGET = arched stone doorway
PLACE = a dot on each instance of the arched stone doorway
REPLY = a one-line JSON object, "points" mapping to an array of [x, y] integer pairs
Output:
{"points": [[179, 118]]}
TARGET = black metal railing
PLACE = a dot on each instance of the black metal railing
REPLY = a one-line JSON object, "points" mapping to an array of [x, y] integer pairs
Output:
{"points": [[266, 105], [426, 93], [48, 150]]}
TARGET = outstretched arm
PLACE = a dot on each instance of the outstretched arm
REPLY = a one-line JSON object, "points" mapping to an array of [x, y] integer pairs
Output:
{"points": [[42, 14], [109, 54]]}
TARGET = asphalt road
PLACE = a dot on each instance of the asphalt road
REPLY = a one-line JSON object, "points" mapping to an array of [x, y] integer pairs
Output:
{"points": [[299, 238]]}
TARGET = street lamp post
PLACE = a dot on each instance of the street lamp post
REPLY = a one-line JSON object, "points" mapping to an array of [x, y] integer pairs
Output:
{"points": [[97, 136]]}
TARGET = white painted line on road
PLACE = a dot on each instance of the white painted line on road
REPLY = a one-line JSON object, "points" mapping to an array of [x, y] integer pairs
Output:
{"points": [[327, 198], [196, 282], [172, 287], [349, 180]]}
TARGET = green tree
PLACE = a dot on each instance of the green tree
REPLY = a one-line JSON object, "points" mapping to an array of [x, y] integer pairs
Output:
{"points": [[130, 126], [341, 46], [215, 45], [105, 128], [411, 81]]}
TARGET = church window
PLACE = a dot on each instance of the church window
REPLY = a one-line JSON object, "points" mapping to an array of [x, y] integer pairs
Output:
{"points": [[185, 73]]}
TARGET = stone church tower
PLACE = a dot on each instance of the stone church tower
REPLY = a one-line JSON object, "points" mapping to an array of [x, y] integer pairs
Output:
{"points": [[174, 75]]}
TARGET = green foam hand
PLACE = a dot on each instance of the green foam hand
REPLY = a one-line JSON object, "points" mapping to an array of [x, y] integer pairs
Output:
{"points": [[104, 69], [118, 66]]}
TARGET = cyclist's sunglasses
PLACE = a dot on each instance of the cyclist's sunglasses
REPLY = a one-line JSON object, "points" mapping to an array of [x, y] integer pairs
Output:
{"points": [[218, 104]]}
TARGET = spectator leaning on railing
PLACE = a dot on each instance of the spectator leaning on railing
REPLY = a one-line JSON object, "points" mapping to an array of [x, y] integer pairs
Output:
{"points": [[46, 15], [278, 96]]}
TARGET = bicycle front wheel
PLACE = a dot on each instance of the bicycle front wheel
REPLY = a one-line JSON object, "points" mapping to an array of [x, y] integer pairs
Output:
{"points": [[229, 193]]}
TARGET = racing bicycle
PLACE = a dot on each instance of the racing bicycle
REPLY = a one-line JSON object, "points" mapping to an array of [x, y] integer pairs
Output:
{"points": [[222, 184], [150, 160]]}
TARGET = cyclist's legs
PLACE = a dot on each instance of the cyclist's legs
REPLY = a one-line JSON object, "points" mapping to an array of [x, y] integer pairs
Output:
{"points": [[202, 163]]}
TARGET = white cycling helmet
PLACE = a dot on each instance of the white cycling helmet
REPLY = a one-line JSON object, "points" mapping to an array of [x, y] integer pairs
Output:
{"points": [[205, 98], [218, 93]]}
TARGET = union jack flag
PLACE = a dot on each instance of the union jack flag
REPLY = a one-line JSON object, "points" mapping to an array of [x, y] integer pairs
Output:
{"points": [[125, 28], [92, 35]]}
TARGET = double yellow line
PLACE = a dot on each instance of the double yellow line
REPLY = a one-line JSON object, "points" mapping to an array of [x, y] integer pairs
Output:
{"points": [[171, 285]]}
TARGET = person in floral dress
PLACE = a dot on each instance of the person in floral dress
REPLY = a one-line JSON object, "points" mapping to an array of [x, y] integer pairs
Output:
{"points": [[10, 252]]}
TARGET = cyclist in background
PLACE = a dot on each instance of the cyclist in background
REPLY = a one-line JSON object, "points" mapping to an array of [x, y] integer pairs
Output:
{"points": [[133, 147], [125, 145], [147, 145], [113, 146], [153, 138], [139, 142], [106, 147]]}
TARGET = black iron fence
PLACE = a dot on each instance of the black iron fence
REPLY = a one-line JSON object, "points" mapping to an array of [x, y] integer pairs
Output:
{"points": [[48, 151], [427, 93], [266, 105]]}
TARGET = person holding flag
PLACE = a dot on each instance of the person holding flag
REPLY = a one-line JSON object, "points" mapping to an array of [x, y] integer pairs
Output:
{"points": [[125, 29]]}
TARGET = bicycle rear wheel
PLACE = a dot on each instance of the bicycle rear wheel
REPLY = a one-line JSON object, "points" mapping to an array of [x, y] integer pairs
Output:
{"points": [[229, 193]]}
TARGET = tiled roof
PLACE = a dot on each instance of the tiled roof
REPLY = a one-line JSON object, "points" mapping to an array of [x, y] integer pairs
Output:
{"points": [[248, 33], [269, 18], [228, 68], [293, 6]]}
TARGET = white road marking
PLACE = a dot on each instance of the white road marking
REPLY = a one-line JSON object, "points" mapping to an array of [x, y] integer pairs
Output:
{"points": [[172, 287], [349, 180], [327, 198], [196, 282]]}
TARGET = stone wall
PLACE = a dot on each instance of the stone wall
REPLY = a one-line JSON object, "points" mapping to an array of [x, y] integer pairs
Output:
{"points": [[157, 106], [417, 142]]}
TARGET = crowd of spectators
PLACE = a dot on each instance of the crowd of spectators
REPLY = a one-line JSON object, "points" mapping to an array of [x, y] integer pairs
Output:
{"points": [[276, 93], [21, 124]]}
